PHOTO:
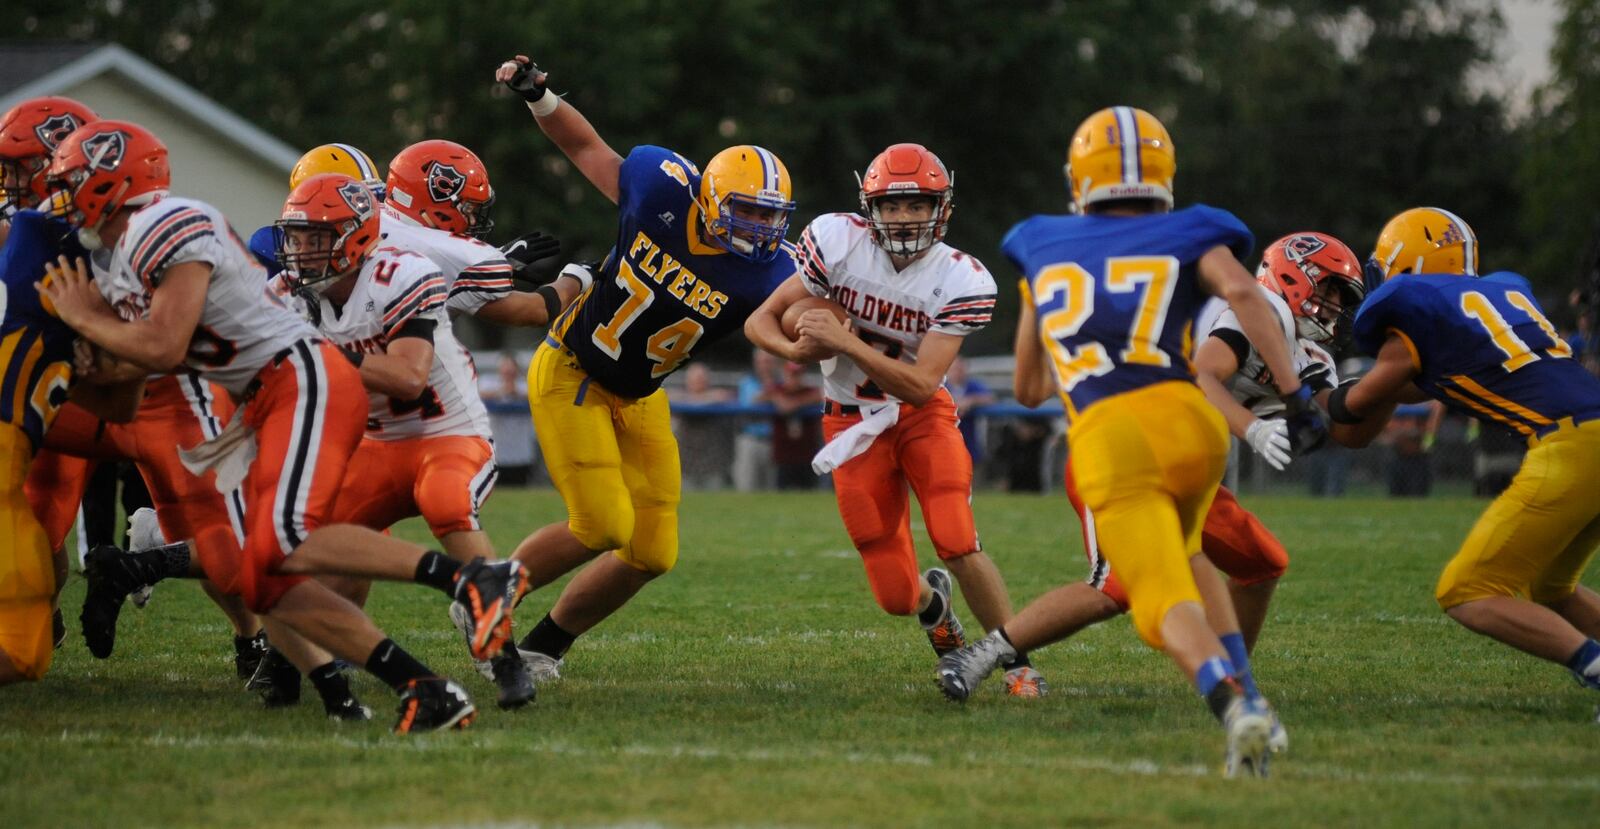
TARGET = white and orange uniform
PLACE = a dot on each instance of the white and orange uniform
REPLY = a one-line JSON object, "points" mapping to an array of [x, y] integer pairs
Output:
{"points": [[273, 362], [944, 291], [1232, 538], [430, 456], [475, 273]]}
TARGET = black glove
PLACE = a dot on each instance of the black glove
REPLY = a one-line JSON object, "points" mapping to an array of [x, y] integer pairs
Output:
{"points": [[528, 249], [1317, 376], [1308, 424], [1372, 276], [528, 80]]}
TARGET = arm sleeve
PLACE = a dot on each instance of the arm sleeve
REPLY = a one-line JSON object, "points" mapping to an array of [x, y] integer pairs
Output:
{"points": [[969, 312], [481, 283], [424, 297], [813, 265], [183, 235]]}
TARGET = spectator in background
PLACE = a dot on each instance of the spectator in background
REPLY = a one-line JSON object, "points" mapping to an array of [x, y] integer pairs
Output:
{"points": [[703, 441], [796, 427], [1022, 452], [1409, 436], [752, 447], [969, 393], [505, 393]]}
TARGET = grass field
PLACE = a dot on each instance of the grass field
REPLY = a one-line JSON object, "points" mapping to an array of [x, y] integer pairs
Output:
{"points": [[759, 685]]}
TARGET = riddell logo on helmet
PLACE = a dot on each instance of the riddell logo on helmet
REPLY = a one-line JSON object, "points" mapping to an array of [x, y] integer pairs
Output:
{"points": [[444, 182], [358, 197], [54, 130], [105, 151]]}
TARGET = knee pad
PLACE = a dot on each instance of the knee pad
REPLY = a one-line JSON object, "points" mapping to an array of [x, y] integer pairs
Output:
{"points": [[25, 636]]}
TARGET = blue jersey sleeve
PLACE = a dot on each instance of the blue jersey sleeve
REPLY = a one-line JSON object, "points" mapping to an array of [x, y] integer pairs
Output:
{"points": [[264, 247], [649, 174], [1012, 245], [1214, 226], [1382, 310]]}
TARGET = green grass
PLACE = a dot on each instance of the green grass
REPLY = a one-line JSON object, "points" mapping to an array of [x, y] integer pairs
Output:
{"points": [[758, 684]]}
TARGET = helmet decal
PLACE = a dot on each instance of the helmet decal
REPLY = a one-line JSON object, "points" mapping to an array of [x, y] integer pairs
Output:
{"points": [[52, 131], [358, 197], [1299, 246], [106, 150], [444, 181]]}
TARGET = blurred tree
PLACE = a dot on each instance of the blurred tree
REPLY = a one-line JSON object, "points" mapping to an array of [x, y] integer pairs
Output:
{"points": [[1561, 165], [1295, 114]]}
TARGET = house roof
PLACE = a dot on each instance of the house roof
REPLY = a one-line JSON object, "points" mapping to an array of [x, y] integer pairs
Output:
{"points": [[28, 70]]}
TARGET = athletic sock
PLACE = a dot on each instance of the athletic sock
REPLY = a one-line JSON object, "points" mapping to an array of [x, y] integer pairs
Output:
{"points": [[1020, 660], [548, 638], [331, 685], [1585, 661], [436, 569], [934, 612], [1234, 644], [1212, 671], [391, 664]]}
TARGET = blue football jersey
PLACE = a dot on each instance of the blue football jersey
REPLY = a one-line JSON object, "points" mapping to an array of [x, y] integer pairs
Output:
{"points": [[35, 347], [1483, 347], [1116, 296], [663, 291]]}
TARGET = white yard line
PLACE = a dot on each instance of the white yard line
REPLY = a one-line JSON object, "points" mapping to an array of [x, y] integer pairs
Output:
{"points": [[1286, 768]]}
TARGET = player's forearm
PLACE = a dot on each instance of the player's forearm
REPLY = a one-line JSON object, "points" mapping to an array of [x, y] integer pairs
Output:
{"points": [[518, 308], [903, 381], [581, 143], [764, 329], [1256, 318], [1238, 417], [397, 377], [151, 347]]}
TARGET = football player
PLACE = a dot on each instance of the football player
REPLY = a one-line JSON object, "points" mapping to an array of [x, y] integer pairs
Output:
{"points": [[1109, 300], [1481, 346], [36, 357], [343, 159], [1313, 284], [427, 448], [912, 301], [176, 286], [695, 254]]}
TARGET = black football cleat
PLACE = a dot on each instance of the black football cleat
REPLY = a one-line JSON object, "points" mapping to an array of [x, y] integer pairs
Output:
{"points": [[58, 629], [348, 709], [247, 653], [489, 591], [511, 677], [111, 578], [276, 681], [433, 704]]}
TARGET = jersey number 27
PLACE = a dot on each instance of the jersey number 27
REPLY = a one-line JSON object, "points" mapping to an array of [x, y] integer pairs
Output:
{"points": [[1157, 276]]}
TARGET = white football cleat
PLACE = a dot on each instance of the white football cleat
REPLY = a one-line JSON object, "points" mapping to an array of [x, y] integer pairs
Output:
{"points": [[1249, 727], [542, 668], [463, 622]]}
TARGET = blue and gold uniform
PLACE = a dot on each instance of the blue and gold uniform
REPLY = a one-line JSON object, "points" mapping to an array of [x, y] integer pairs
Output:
{"points": [[594, 387], [35, 367], [1483, 347], [1115, 299]]}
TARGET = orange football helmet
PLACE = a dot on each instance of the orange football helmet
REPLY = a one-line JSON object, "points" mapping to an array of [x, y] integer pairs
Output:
{"points": [[907, 170], [1319, 278], [29, 133], [101, 168], [328, 228], [444, 185]]}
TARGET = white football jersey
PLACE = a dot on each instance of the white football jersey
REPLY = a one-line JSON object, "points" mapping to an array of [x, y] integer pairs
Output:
{"points": [[242, 326], [475, 273], [944, 290], [394, 287], [1252, 384]]}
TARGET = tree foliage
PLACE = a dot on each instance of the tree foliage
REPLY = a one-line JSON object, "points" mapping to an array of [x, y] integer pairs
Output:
{"points": [[1291, 113]]}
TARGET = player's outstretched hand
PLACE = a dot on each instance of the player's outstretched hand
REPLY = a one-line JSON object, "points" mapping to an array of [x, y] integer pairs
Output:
{"points": [[522, 76], [1270, 439]]}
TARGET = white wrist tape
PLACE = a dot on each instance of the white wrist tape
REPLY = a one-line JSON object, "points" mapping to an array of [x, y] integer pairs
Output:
{"points": [[545, 105]]}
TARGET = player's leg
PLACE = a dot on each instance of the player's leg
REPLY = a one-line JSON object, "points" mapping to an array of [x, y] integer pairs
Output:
{"points": [[1531, 542], [572, 419], [454, 476], [648, 465], [1240, 545], [27, 576]]}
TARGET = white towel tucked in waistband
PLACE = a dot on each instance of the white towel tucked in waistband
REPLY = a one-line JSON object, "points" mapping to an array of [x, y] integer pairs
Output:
{"points": [[855, 440], [230, 453]]}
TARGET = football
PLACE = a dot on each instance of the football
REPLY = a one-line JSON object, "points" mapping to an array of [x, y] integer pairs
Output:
{"points": [[791, 315]]}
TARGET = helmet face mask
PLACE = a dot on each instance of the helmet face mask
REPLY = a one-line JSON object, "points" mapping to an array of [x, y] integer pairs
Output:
{"points": [[29, 133], [750, 227], [745, 202], [328, 227], [906, 225], [311, 253], [21, 183]]}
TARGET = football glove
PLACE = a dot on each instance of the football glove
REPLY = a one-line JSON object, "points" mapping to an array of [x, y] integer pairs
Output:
{"points": [[1317, 376], [528, 81], [528, 249], [1270, 439], [1372, 276], [1308, 424]]}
